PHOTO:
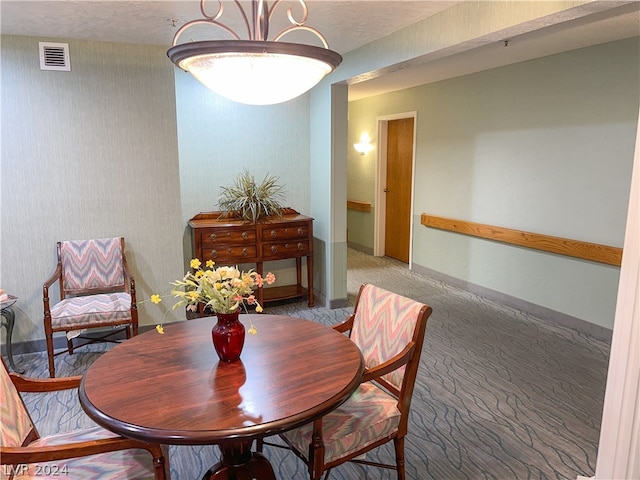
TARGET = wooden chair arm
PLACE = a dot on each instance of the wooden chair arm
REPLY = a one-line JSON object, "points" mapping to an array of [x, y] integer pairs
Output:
{"points": [[390, 365], [25, 384], [50, 281], [30, 454], [345, 326]]}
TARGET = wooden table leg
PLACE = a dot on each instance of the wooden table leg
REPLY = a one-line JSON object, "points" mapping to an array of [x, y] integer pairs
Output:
{"points": [[238, 462]]}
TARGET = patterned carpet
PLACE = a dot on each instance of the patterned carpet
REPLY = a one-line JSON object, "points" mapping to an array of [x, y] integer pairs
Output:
{"points": [[500, 394]]}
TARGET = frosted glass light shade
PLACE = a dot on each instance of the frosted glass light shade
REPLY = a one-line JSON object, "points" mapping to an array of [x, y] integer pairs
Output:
{"points": [[255, 72]]}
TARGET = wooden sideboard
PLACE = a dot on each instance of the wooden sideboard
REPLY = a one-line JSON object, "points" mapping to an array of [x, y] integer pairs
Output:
{"points": [[233, 241]]}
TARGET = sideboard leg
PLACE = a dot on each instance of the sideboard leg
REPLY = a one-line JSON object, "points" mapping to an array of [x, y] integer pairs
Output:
{"points": [[310, 278]]}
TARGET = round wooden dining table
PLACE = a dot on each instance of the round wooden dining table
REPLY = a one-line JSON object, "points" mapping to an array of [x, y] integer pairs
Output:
{"points": [[172, 389]]}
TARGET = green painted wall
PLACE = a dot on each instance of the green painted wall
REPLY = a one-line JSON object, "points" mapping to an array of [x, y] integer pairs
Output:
{"points": [[89, 153], [218, 139], [544, 146]]}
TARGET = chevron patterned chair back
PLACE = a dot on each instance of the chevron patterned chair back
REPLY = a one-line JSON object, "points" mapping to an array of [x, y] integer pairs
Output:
{"points": [[389, 329], [96, 289], [92, 453]]}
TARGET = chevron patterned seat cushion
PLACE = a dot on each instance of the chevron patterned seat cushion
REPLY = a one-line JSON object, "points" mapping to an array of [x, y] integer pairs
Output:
{"points": [[16, 426], [90, 310], [15, 423], [91, 264], [121, 465], [369, 415], [383, 326]]}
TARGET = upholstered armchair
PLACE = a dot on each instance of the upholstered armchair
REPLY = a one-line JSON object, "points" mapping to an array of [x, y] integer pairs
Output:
{"points": [[93, 453], [96, 290], [389, 329]]}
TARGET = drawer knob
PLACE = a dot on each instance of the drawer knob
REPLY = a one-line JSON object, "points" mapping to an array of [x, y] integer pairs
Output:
{"points": [[274, 249], [300, 231], [245, 235], [300, 246], [214, 254], [244, 252], [273, 234], [212, 237]]}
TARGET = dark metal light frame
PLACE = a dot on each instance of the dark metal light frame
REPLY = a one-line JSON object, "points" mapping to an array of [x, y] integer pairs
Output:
{"points": [[257, 43]]}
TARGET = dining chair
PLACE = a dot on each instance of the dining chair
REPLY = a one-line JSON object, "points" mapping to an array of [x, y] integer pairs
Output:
{"points": [[389, 329], [92, 453], [96, 290]]}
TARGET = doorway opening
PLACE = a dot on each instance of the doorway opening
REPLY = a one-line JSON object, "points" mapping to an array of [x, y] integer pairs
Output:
{"points": [[393, 223]]}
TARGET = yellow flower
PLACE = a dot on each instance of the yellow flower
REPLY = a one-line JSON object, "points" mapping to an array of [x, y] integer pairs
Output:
{"points": [[159, 329], [156, 298], [252, 330], [259, 308], [193, 295], [195, 263], [199, 273], [210, 263]]}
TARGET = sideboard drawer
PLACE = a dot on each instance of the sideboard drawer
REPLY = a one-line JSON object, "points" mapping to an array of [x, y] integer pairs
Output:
{"points": [[211, 237], [285, 249], [232, 255], [271, 233]]}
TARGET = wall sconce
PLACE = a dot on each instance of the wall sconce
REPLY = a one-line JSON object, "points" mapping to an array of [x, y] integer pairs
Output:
{"points": [[364, 146]]}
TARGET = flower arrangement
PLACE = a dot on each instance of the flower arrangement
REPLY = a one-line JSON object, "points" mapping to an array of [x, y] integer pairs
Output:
{"points": [[222, 290]]}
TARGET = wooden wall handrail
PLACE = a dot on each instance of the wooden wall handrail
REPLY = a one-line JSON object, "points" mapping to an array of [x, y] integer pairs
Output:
{"points": [[359, 206], [563, 246]]}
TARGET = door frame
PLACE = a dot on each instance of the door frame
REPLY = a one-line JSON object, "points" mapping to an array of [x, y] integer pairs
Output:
{"points": [[379, 221]]}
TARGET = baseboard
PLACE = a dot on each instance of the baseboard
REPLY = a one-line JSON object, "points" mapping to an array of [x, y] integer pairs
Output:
{"points": [[338, 303], [360, 248], [60, 341], [596, 331]]}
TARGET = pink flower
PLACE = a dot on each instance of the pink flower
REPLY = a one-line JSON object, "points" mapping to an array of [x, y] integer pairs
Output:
{"points": [[271, 278]]}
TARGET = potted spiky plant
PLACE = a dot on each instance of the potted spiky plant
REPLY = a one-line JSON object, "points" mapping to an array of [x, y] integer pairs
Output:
{"points": [[250, 201]]}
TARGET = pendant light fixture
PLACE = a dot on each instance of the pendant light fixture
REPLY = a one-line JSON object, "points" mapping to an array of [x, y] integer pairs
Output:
{"points": [[255, 71]]}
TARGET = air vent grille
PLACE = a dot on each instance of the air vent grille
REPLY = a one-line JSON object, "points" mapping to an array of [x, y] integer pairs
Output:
{"points": [[54, 56]]}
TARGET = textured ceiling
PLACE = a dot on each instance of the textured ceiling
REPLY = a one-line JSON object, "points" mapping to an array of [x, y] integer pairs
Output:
{"points": [[346, 25]]}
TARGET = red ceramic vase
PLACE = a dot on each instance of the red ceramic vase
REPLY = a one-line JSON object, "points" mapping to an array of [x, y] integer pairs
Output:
{"points": [[228, 336]]}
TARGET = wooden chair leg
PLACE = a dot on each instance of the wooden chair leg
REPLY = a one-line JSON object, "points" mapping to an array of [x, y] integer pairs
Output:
{"points": [[399, 445], [70, 345], [52, 365]]}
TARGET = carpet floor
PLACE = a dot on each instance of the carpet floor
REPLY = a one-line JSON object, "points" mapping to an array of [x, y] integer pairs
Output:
{"points": [[500, 394]]}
